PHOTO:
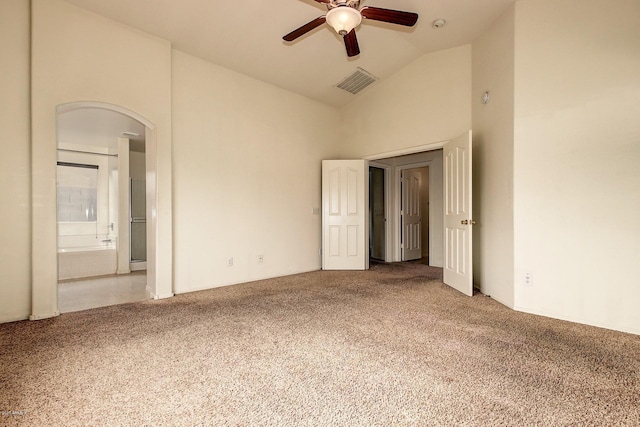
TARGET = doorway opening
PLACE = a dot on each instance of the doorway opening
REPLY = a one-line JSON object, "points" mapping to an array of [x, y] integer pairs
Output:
{"points": [[412, 192], [450, 206], [100, 154]]}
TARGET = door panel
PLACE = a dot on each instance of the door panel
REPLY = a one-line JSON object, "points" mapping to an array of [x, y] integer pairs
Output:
{"points": [[458, 271], [411, 215], [345, 235]]}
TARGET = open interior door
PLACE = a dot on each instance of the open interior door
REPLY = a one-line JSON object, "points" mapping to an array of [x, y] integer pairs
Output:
{"points": [[345, 234], [458, 262]]}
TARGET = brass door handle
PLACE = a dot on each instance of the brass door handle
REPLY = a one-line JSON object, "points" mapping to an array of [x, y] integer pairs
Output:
{"points": [[464, 222]]}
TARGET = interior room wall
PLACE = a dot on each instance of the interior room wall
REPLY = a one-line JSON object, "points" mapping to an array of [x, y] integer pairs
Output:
{"points": [[247, 168], [576, 157], [78, 56], [425, 102], [493, 62], [15, 162]]}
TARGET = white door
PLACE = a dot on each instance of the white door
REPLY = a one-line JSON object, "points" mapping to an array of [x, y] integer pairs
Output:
{"points": [[458, 262], [345, 194], [410, 215]]}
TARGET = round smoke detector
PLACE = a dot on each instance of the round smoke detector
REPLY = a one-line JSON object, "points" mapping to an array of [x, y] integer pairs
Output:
{"points": [[438, 23]]}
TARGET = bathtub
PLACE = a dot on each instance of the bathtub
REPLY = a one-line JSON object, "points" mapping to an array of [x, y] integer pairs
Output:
{"points": [[86, 256]]}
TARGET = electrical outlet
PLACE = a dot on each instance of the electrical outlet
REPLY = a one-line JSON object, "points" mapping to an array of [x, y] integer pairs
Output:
{"points": [[528, 279], [315, 211], [260, 258], [230, 262]]}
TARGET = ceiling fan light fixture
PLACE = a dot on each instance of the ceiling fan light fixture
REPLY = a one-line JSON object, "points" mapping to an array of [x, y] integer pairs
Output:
{"points": [[343, 19]]}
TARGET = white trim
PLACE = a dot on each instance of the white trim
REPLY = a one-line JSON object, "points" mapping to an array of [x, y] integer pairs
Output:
{"points": [[578, 320], [404, 151], [44, 316], [15, 318], [138, 265], [159, 296], [70, 106]]}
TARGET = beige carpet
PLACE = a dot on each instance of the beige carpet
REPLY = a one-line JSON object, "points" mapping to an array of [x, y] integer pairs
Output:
{"points": [[389, 346]]}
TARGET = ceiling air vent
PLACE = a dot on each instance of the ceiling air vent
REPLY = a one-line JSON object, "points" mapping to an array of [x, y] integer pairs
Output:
{"points": [[356, 81]]}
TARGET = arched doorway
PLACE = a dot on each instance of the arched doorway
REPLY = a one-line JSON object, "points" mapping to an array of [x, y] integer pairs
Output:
{"points": [[45, 267], [101, 212]]}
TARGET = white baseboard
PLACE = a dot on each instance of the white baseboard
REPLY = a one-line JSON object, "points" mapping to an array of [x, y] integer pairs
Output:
{"points": [[13, 318], [158, 296], [44, 316], [138, 266]]}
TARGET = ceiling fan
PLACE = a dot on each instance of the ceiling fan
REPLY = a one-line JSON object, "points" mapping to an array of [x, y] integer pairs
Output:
{"points": [[344, 16]]}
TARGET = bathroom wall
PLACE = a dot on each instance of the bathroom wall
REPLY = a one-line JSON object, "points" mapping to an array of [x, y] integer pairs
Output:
{"points": [[89, 233]]}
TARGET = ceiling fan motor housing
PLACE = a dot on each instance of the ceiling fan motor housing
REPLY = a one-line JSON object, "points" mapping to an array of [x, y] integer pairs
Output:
{"points": [[343, 19]]}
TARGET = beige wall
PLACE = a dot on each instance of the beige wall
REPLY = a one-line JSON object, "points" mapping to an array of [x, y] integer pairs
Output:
{"points": [[493, 62], [427, 101], [15, 170], [246, 162], [576, 158], [80, 56]]}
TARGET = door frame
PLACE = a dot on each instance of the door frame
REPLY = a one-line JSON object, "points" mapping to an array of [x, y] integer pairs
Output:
{"points": [[44, 294], [393, 250]]}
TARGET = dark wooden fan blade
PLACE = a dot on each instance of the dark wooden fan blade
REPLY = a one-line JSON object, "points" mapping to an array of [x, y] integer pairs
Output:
{"points": [[351, 43], [399, 17], [305, 29], [324, 1]]}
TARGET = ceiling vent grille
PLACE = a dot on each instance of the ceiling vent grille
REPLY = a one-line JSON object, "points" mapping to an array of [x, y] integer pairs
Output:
{"points": [[356, 81]]}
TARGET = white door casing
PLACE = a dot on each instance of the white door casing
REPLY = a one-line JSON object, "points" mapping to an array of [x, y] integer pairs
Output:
{"points": [[458, 262], [345, 234], [411, 216]]}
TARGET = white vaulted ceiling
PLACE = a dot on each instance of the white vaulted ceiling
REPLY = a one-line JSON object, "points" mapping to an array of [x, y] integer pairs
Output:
{"points": [[246, 36]]}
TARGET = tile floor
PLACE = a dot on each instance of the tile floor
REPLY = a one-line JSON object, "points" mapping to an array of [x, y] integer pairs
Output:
{"points": [[76, 295]]}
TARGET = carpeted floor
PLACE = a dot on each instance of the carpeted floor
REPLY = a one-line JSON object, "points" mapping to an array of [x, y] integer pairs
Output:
{"points": [[388, 346]]}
